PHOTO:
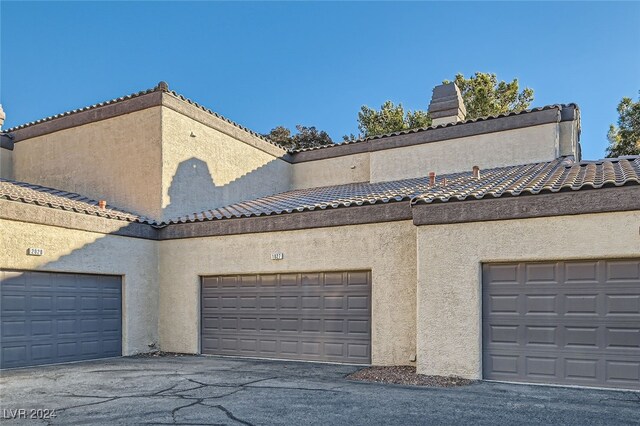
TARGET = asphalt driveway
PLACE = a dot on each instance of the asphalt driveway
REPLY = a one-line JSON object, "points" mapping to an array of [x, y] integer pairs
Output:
{"points": [[196, 390]]}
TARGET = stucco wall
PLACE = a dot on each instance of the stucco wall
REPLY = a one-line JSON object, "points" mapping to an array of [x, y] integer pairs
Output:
{"points": [[450, 261], [387, 249], [212, 169], [331, 171], [67, 250], [511, 147], [569, 137], [117, 160], [6, 164]]}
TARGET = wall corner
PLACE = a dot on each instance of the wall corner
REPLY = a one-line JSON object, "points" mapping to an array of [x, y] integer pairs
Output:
{"points": [[569, 131]]}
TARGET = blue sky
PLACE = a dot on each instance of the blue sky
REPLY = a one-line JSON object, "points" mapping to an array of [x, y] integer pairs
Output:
{"points": [[267, 64]]}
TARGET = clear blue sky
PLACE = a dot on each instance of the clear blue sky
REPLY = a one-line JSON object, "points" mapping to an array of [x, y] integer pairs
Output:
{"points": [[265, 64]]}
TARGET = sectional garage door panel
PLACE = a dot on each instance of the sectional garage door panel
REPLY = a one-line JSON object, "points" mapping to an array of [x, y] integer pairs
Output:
{"points": [[315, 316], [574, 322], [50, 318]]}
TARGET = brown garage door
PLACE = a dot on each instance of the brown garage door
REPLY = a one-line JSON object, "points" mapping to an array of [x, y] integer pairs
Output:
{"points": [[307, 316], [572, 323]]}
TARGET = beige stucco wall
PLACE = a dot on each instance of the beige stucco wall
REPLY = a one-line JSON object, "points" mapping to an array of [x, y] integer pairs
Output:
{"points": [[6, 164], [117, 160], [67, 250], [569, 137], [331, 171], [212, 169], [387, 249], [519, 146], [449, 274]]}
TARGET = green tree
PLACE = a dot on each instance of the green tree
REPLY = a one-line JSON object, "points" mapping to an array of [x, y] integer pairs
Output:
{"points": [[624, 139], [484, 95], [280, 135], [389, 118], [306, 137]]}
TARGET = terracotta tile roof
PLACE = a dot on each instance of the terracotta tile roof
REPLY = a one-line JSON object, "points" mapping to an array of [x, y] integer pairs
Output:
{"points": [[554, 176], [532, 179], [529, 179], [62, 200], [423, 129], [328, 197]]}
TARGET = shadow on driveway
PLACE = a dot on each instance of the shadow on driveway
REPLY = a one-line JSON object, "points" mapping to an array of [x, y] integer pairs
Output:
{"points": [[195, 390]]}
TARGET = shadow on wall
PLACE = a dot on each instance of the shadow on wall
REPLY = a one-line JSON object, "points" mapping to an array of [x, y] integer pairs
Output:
{"points": [[80, 252], [193, 188]]}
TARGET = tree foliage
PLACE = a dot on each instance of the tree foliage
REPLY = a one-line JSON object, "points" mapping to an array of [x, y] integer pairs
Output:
{"points": [[389, 118], [484, 95], [624, 139], [306, 137], [280, 135]]}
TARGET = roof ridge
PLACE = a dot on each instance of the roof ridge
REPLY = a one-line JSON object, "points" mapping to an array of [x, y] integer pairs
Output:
{"points": [[82, 109], [160, 87], [439, 126], [220, 116]]}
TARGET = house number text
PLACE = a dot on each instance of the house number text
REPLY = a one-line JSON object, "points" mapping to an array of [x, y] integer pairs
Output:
{"points": [[32, 251]]}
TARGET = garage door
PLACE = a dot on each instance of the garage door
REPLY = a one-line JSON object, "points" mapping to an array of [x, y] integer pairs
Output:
{"points": [[52, 317], [315, 316], [574, 323]]}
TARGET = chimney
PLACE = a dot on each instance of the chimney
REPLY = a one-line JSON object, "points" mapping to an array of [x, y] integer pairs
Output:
{"points": [[432, 178], [446, 105], [102, 204], [2, 116], [476, 172]]}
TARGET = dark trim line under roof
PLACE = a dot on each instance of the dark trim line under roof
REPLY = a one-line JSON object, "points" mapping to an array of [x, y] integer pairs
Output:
{"points": [[567, 111], [154, 97], [491, 124]]}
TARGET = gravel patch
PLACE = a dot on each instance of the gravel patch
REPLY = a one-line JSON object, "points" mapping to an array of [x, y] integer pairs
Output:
{"points": [[406, 375]]}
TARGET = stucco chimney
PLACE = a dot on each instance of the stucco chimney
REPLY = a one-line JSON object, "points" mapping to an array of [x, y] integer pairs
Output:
{"points": [[446, 105], [102, 204], [2, 116]]}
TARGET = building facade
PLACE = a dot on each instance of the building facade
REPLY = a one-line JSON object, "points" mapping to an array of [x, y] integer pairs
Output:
{"points": [[478, 248]]}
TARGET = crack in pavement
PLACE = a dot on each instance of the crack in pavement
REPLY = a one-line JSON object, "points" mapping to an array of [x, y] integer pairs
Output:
{"points": [[230, 385], [295, 388], [175, 410], [191, 401], [200, 401], [231, 416], [107, 399], [162, 393]]}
